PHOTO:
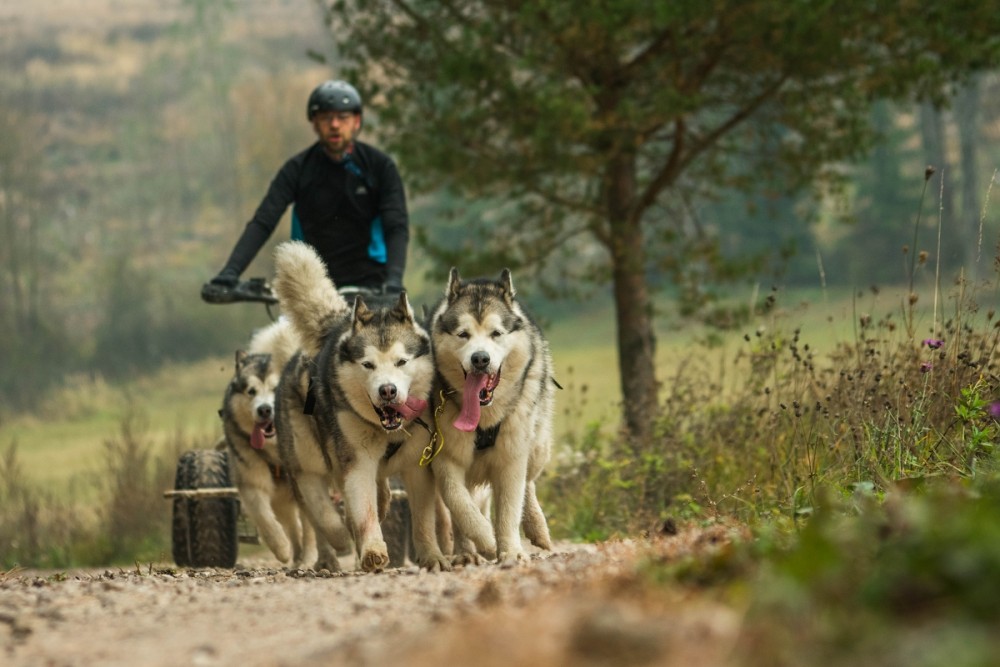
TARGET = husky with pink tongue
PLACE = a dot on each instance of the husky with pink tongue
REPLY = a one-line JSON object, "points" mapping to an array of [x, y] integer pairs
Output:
{"points": [[250, 438], [347, 410], [495, 372]]}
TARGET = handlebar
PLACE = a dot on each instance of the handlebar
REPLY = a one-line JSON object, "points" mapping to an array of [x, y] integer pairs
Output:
{"points": [[258, 290], [255, 290]]}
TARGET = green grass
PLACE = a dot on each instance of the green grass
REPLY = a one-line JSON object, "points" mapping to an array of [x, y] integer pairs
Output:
{"points": [[67, 438]]}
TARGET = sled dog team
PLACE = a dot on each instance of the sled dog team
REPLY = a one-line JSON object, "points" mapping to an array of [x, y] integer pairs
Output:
{"points": [[336, 397]]}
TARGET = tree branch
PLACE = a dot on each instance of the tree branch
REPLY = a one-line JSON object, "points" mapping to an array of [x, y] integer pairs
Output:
{"points": [[680, 159]]}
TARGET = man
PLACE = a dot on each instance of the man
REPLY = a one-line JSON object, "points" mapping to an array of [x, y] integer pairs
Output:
{"points": [[349, 202]]}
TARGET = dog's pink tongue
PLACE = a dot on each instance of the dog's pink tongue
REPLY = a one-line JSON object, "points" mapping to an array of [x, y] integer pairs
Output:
{"points": [[257, 437], [412, 408], [468, 419]]}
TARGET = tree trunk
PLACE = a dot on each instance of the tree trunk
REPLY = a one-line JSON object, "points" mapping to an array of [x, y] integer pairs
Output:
{"points": [[633, 308], [932, 136], [967, 120]]}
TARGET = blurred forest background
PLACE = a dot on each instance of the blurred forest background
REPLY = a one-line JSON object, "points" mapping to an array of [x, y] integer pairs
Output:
{"points": [[137, 137]]}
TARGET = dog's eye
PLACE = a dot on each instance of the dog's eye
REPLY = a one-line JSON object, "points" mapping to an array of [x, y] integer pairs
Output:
{"points": [[369, 365], [496, 334], [401, 362], [463, 334], [251, 392]]}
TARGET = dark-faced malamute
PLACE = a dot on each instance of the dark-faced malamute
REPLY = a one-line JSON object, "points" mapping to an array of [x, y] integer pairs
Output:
{"points": [[495, 370], [346, 410]]}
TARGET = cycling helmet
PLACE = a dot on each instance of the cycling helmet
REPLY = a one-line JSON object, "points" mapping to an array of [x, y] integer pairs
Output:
{"points": [[333, 96]]}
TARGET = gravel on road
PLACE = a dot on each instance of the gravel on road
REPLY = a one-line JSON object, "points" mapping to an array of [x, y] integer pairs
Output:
{"points": [[577, 605]]}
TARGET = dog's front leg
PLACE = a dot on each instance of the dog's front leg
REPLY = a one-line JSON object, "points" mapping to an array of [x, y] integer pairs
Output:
{"points": [[308, 547], [536, 528], [465, 514], [508, 489], [422, 494], [257, 502], [361, 504], [331, 536]]}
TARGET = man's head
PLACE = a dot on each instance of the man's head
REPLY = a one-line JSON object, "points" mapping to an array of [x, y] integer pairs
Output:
{"points": [[334, 109]]}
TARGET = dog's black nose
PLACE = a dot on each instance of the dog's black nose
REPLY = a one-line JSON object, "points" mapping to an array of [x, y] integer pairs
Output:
{"points": [[264, 411], [387, 392], [480, 360]]}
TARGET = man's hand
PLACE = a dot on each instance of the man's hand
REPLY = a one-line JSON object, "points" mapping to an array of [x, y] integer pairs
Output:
{"points": [[225, 280], [218, 289]]}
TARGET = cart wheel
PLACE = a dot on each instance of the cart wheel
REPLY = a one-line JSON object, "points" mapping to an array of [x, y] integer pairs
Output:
{"points": [[396, 529], [204, 529]]}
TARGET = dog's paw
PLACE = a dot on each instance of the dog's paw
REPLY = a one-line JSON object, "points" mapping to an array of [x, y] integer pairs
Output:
{"points": [[375, 559], [434, 562], [283, 552], [464, 558], [542, 542], [331, 565], [512, 557]]}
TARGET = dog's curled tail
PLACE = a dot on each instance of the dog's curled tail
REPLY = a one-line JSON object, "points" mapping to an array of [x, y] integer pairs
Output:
{"points": [[307, 295]]}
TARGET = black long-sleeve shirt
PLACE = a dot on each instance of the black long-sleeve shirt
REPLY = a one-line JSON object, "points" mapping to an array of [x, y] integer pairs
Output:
{"points": [[336, 209]]}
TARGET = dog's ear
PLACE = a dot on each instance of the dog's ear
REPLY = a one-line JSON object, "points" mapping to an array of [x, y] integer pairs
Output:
{"points": [[454, 282], [240, 358], [361, 315], [507, 285], [402, 309]]}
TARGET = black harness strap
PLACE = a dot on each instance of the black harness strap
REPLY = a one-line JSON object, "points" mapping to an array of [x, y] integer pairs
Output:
{"points": [[310, 403], [487, 437], [391, 449]]}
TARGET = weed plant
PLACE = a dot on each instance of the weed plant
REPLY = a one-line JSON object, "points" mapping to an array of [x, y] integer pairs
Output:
{"points": [[129, 523], [762, 437]]}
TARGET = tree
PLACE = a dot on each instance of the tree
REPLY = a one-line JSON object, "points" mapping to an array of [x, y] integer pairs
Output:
{"points": [[967, 119], [599, 119]]}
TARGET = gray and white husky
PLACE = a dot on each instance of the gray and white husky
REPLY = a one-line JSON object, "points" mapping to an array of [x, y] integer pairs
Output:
{"points": [[346, 409], [248, 426], [495, 373]]}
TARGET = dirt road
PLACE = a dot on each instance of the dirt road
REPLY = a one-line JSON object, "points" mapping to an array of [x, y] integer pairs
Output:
{"points": [[580, 605]]}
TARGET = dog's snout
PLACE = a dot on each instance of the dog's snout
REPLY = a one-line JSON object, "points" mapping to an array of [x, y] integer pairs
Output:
{"points": [[265, 411], [480, 360], [387, 392]]}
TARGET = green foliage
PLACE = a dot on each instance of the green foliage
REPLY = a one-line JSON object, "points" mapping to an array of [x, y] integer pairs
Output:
{"points": [[921, 569]]}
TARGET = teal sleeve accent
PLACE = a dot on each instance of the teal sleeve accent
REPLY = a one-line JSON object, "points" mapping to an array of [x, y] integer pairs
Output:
{"points": [[296, 226], [376, 247]]}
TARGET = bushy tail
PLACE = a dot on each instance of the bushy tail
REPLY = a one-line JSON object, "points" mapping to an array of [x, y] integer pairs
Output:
{"points": [[307, 295]]}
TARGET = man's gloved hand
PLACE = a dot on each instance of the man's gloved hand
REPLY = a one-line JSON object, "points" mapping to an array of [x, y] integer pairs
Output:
{"points": [[217, 290], [391, 290], [225, 280]]}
